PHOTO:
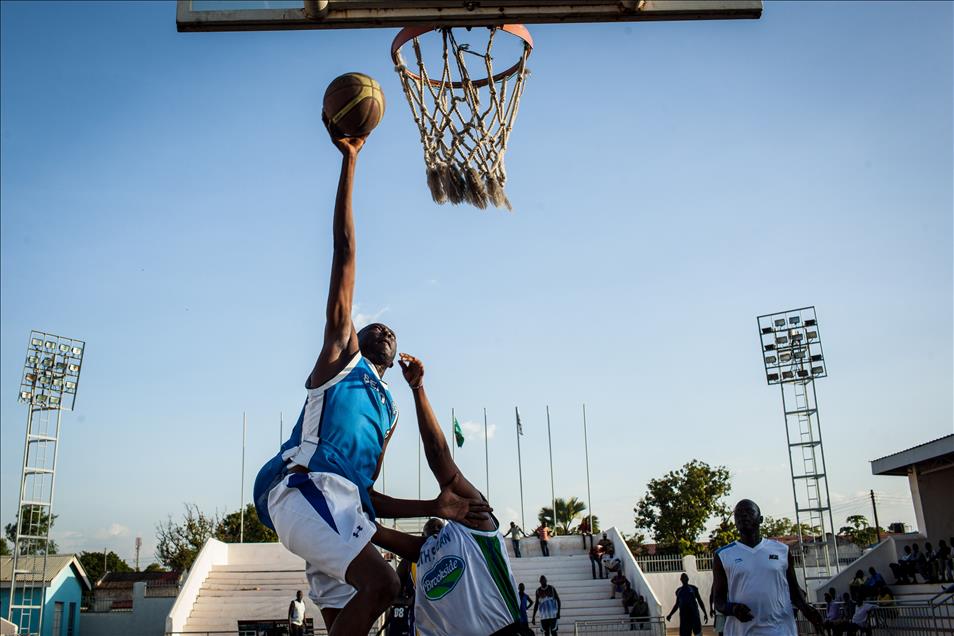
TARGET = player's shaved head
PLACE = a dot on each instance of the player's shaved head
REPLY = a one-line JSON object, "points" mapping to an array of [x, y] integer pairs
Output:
{"points": [[748, 518], [433, 527], [378, 344]]}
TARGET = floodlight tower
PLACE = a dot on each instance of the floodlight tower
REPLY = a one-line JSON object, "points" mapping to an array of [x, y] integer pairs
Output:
{"points": [[48, 386], [793, 359]]}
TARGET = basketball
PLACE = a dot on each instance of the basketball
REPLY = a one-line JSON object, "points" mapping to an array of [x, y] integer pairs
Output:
{"points": [[354, 104]]}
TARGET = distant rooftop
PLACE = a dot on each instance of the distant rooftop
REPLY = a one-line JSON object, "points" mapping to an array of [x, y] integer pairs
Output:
{"points": [[126, 580], [33, 564], [936, 453]]}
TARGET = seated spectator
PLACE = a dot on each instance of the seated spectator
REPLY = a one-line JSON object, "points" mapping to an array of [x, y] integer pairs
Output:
{"points": [[883, 593], [847, 607], [872, 582], [859, 620], [611, 564], [917, 563], [607, 545], [616, 584], [629, 596], [832, 612], [639, 614], [945, 562], [596, 559], [857, 587], [929, 571], [902, 569]]}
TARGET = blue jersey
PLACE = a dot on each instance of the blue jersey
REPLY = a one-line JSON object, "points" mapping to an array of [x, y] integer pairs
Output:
{"points": [[341, 430]]}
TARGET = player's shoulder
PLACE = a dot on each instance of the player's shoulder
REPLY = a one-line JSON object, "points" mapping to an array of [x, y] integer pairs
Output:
{"points": [[725, 548]]}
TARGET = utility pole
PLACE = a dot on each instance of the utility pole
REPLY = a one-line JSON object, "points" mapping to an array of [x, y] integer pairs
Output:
{"points": [[874, 507]]}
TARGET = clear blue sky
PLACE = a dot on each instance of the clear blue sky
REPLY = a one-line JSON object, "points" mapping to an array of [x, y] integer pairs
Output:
{"points": [[167, 197]]}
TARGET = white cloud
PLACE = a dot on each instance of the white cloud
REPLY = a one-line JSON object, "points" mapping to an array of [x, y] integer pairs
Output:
{"points": [[113, 531], [475, 430], [361, 320]]}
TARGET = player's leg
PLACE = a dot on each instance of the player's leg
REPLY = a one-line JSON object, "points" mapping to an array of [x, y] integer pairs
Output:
{"points": [[376, 584]]}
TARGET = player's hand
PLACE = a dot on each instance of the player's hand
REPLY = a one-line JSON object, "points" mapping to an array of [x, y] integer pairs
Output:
{"points": [[349, 146], [413, 370], [469, 512], [742, 612], [815, 618]]}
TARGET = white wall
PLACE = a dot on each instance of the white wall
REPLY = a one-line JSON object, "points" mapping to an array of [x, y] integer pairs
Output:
{"points": [[147, 618], [214, 552], [666, 583]]}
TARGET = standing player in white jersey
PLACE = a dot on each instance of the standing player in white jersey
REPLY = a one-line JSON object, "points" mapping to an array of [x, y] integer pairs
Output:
{"points": [[754, 583], [316, 492], [464, 584]]}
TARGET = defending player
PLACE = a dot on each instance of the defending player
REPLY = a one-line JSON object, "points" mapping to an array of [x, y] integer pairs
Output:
{"points": [[464, 584], [316, 492]]}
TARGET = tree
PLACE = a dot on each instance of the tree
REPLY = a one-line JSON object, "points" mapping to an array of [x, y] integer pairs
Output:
{"points": [[567, 510], [179, 543], [859, 531], [36, 522], [635, 542], [93, 564], [773, 528], [154, 567], [724, 533], [228, 529], [677, 506], [4, 548]]}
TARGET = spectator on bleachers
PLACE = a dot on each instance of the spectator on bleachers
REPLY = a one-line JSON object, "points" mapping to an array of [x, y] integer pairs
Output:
{"points": [[872, 582], [945, 562], [847, 606], [543, 533], [859, 620], [639, 614], [586, 531], [607, 545], [611, 564], [515, 533], [918, 564], [629, 596], [833, 612], [596, 559], [883, 593], [857, 587], [930, 564], [903, 569], [616, 584]]}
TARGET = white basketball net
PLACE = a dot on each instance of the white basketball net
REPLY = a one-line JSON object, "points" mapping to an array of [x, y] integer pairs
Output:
{"points": [[464, 122]]}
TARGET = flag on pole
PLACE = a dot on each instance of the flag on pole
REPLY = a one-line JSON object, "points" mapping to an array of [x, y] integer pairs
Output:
{"points": [[458, 434], [519, 423]]}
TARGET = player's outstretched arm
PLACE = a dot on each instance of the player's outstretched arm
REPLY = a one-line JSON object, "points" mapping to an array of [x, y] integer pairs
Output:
{"points": [[438, 454], [448, 505], [340, 339], [404, 545]]}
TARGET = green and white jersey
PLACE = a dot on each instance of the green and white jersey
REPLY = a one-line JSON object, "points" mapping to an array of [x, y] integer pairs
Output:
{"points": [[464, 584]]}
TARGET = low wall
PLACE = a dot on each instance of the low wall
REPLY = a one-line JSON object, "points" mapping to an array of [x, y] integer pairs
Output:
{"points": [[214, 552], [147, 618]]}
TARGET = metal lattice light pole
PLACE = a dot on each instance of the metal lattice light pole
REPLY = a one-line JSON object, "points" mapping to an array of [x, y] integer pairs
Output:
{"points": [[48, 385], [793, 359]]}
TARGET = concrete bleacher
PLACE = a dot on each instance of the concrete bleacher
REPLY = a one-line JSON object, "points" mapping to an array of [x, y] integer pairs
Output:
{"points": [[233, 582]]}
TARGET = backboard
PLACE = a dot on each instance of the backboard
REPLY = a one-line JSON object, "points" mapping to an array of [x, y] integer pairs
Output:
{"points": [[268, 15]]}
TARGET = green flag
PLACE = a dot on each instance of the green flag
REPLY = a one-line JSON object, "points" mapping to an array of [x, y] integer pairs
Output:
{"points": [[458, 434]]}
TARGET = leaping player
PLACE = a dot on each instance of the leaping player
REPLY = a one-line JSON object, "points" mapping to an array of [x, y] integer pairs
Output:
{"points": [[464, 585], [316, 492]]}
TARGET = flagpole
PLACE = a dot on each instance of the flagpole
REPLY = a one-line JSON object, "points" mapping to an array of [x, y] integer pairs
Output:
{"points": [[242, 505], [552, 491], [453, 436], [523, 521], [486, 456], [586, 451]]}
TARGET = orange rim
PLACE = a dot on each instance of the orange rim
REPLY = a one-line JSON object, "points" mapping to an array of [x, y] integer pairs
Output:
{"points": [[409, 33]]}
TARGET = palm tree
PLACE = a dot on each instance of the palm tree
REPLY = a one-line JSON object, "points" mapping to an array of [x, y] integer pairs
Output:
{"points": [[567, 510]]}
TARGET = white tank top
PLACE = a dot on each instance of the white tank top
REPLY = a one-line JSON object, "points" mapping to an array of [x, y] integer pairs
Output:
{"points": [[757, 578], [464, 585]]}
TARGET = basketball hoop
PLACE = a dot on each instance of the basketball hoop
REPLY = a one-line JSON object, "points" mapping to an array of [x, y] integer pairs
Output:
{"points": [[464, 122]]}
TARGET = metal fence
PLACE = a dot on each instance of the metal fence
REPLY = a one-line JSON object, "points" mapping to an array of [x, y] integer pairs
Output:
{"points": [[659, 563], [931, 618], [671, 562], [655, 626]]}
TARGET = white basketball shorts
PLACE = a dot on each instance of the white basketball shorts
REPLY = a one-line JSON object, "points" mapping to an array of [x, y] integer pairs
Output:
{"points": [[318, 516]]}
